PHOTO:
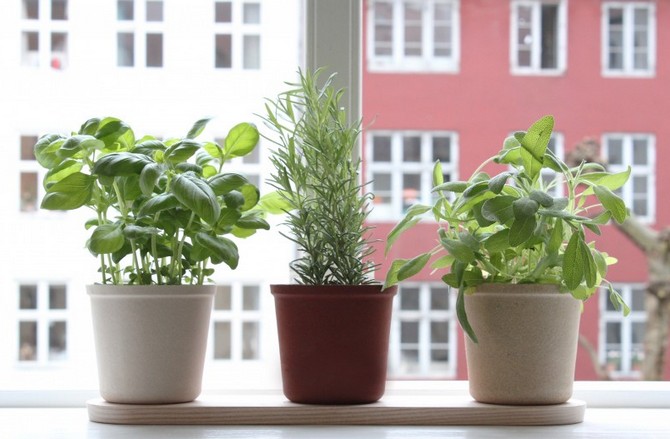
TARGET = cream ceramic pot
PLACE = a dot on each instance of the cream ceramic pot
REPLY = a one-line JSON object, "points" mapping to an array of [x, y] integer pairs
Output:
{"points": [[150, 341]]}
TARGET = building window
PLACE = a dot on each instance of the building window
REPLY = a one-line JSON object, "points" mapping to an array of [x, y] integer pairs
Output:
{"points": [[622, 338], [42, 322], [423, 335], [237, 39], [140, 33], [410, 35], [236, 320], [29, 176], [538, 36], [638, 152], [44, 36], [629, 38], [400, 166]]}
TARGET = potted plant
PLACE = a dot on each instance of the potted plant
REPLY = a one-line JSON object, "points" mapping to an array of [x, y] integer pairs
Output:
{"points": [[334, 323], [157, 231], [522, 263]]}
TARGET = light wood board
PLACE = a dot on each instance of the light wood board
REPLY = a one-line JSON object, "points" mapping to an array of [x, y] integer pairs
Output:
{"points": [[272, 409]]}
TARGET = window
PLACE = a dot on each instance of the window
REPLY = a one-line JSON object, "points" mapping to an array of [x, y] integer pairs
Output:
{"points": [[237, 40], [638, 152], [44, 36], [423, 332], [538, 36], [400, 166], [42, 323], [629, 38], [410, 35], [29, 176], [140, 33], [622, 338], [236, 322]]}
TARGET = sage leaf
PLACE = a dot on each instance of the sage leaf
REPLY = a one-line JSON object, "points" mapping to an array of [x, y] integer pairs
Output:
{"points": [[534, 144], [463, 317], [522, 229], [612, 203], [524, 207], [413, 266], [499, 208], [573, 264], [459, 250]]}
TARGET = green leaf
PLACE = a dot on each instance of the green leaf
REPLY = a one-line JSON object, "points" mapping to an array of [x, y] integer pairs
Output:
{"points": [[451, 186], [159, 203], [590, 267], [111, 130], [498, 242], [221, 184], [252, 221], [137, 232], [228, 217], [406, 223], [149, 147], [106, 238], [533, 145], [78, 143], [499, 209], [223, 249], [149, 177], [273, 203], [413, 266], [213, 149], [524, 208], [521, 231], [197, 196], [234, 199], [241, 140], [573, 265], [612, 203], [618, 302], [476, 189], [70, 193], [392, 274], [121, 163], [46, 150], [556, 238], [438, 176], [606, 179], [544, 199], [197, 128], [90, 126], [481, 220], [67, 167], [251, 196], [181, 151], [442, 262], [497, 183], [462, 315], [459, 250]]}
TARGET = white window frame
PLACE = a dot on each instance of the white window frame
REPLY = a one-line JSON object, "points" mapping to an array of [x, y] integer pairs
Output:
{"points": [[397, 167], [427, 62], [629, 69], [536, 45], [648, 170], [44, 26], [606, 316], [139, 27], [237, 29], [424, 316]]}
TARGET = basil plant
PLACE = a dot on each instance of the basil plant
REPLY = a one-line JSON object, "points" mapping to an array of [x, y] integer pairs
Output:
{"points": [[510, 228], [161, 207]]}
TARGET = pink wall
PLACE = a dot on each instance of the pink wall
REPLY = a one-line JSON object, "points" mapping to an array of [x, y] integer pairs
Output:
{"points": [[484, 102]]}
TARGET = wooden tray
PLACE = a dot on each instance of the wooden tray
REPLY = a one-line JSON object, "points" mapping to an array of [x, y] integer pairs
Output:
{"points": [[265, 409]]}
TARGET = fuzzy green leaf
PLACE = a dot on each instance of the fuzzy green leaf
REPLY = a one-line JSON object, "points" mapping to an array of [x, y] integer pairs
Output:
{"points": [[497, 242], [458, 250], [612, 203], [499, 209], [438, 176], [413, 266], [524, 207], [406, 223], [534, 144], [463, 317], [497, 183], [451, 186], [522, 229], [573, 264]]}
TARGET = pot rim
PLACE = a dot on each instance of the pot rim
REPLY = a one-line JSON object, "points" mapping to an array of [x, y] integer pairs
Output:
{"points": [[368, 290], [513, 288], [108, 290]]}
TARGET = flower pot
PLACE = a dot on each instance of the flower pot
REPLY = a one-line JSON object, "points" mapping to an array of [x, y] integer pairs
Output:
{"points": [[150, 341], [527, 344], [333, 342]]}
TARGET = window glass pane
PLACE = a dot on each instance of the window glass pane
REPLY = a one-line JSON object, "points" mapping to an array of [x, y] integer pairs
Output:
{"points": [[441, 149], [223, 54], [28, 341], [57, 297], [154, 50], [252, 52], [439, 332], [549, 36], [381, 187], [439, 298], [154, 10], [637, 301], [439, 356], [28, 297], [30, 49], [411, 190], [409, 298], [253, 157], [252, 13], [31, 9], [641, 17], [640, 152], [411, 149], [640, 206], [58, 50], [59, 9], [409, 332], [638, 332], [410, 360], [383, 28], [640, 184], [222, 297], [641, 61], [613, 332], [223, 12], [615, 151], [250, 341], [57, 341], [125, 43], [222, 346], [442, 30], [413, 29], [125, 10], [381, 149], [28, 147], [28, 192], [251, 298]]}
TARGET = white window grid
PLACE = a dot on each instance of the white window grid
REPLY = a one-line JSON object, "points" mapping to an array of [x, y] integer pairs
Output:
{"points": [[535, 37], [645, 171], [236, 316], [140, 27], [30, 167], [242, 32], [44, 27], [631, 354], [397, 168], [430, 23], [426, 367], [43, 316], [628, 30]]}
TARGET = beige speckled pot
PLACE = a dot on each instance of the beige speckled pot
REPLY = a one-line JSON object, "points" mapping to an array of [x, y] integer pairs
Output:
{"points": [[150, 341], [527, 344]]}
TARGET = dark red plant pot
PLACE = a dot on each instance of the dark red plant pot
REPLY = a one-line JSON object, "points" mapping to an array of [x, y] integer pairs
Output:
{"points": [[333, 342]]}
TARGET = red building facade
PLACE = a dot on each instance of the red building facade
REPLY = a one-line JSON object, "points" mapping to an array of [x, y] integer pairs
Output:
{"points": [[450, 79]]}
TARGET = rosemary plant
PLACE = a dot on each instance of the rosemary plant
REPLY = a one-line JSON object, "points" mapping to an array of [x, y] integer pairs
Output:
{"points": [[317, 175]]}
